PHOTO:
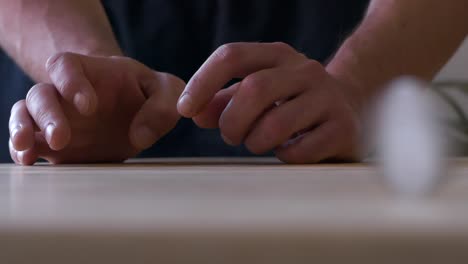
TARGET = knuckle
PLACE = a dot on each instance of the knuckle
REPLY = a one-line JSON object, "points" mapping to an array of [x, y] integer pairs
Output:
{"points": [[58, 60], [176, 81], [253, 87], [283, 47], [33, 102], [18, 106], [43, 116], [15, 114], [34, 93], [117, 57], [122, 59], [312, 66], [65, 87], [228, 52]]}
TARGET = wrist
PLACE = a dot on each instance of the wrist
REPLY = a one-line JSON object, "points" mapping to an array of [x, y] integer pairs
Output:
{"points": [[38, 70], [100, 50], [103, 47], [351, 86]]}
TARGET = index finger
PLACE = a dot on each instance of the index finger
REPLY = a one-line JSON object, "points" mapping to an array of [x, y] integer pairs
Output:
{"points": [[68, 75], [234, 60]]}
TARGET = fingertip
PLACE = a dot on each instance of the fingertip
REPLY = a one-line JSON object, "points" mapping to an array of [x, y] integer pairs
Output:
{"points": [[143, 137], [22, 138], [13, 152], [186, 106], [27, 157], [57, 137], [228, 141]]}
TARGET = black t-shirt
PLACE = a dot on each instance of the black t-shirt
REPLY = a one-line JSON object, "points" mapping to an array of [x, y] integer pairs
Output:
{"points": [[177, 36]]}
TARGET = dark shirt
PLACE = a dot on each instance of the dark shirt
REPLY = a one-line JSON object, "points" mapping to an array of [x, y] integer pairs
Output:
{"points": [[177, 36]]}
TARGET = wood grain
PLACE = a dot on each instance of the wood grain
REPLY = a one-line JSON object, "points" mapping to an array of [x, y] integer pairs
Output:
{"points": [[225, 211]]}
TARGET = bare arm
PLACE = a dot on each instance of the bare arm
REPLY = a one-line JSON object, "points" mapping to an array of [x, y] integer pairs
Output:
{"points": [[89, 105], [33, 30], [319, 115], [399, 37]]}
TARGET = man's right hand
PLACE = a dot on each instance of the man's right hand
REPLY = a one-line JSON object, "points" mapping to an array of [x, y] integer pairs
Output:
{"points": [[97, 109]]}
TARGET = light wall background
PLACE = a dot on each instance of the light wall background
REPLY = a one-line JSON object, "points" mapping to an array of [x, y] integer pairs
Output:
{"points": [[457, 68]]}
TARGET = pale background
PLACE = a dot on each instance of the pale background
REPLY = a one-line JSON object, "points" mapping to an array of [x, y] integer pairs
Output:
{"points": [[457, 68]]}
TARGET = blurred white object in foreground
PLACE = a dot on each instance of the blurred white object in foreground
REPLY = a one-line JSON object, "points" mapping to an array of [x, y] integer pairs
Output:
{"points": [[410, 142]]}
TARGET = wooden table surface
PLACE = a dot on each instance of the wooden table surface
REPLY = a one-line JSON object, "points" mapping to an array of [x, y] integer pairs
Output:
{"points": [[224, 211]]}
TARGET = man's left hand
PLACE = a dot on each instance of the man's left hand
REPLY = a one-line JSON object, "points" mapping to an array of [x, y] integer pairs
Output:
{"points": [[285, 102]]}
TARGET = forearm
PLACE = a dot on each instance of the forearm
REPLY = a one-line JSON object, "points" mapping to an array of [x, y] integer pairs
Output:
{"points": [[399, 37], [33, 30]]}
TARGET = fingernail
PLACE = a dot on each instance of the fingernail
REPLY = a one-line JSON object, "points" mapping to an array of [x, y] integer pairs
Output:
{"points": [[14, 132], [82, 103], [143, 137], [185, 105], [49, 133], [227, 140]]}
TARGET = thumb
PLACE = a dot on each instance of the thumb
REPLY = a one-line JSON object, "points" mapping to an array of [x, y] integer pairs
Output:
{"points": [[158, 115]]}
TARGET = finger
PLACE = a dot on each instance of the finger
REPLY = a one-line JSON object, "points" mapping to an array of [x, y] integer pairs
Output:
{"points": [[13, 152], [21, 127], [162, 83], [282, 122], [27, 157], [234, 60], [209, 117], [158, 115], [319, 144], [257, 93], [44, 107], [67, 73], [42, 149]]}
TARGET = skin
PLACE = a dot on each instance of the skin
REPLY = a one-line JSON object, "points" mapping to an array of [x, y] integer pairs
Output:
{"points": [[309, 112], [280, 100], [305, 111], [91, 104], [130, 107]]}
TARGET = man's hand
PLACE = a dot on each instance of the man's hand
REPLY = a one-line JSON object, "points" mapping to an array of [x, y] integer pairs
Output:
{"points": [[97, 109], [285, 102]]}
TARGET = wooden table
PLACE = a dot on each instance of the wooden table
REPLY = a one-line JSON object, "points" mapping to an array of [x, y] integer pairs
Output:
{"points": [[225, 211]]}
